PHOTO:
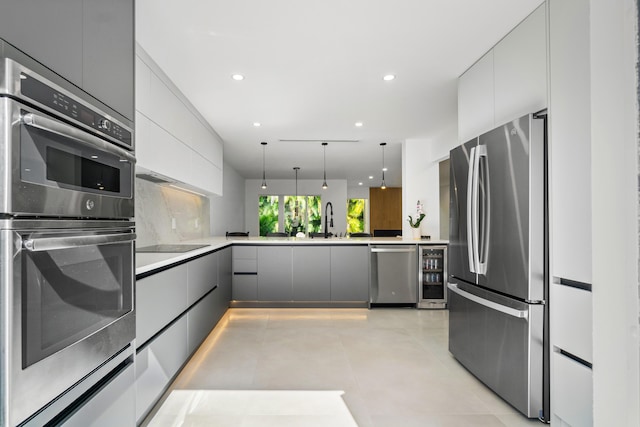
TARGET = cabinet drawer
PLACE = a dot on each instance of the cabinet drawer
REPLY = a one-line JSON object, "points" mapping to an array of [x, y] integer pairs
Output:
{"points": [[203, 276], [112, 405], [160, 298], [573, 391], [245, 287], [247, 252], [245, 265], [157, 364], [571, 320], [202, 318]]}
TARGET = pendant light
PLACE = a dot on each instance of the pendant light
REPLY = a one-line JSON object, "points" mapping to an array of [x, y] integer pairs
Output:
{"points": [[264, 179], [324, 165], [383, 185]]}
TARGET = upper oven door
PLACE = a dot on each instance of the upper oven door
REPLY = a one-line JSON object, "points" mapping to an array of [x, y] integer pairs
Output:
{"points": [[59, 170]]}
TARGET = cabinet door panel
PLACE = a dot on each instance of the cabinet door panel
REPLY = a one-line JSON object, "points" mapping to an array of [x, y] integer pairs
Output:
{"points": [[570, 140], [108, 53], [202, 317], [160, 298], [48, 31], [274, 273], [245, 252], [157, 364], [520, 69], [349, 273], [224, 274], [112, 405], [311, 273], [203, 276], [245, 287], [476, 99]]}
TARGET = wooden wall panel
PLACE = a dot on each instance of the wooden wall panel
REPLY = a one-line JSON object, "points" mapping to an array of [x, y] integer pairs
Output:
{"points": [[385, 207]]}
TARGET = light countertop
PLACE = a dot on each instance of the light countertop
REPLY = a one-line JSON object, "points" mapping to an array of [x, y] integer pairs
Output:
{"points": [[148, 262]]}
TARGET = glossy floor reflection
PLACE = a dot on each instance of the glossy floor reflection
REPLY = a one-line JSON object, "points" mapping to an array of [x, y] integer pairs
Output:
{"points": [[392, 364]]}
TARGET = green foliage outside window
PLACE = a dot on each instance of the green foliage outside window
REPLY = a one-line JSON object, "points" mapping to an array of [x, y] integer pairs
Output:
{"points": [[309, 214], [355, 215], [309, 217], [268, 213]]}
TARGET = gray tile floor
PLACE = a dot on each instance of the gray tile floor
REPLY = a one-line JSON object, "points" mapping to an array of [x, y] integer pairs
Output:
{"points": [[393, 364]]}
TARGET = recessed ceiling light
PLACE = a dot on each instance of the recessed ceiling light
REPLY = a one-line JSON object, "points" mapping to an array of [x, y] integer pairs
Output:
{"points": [[359, 183], [358, 124], [384, 169], [370, 176], [237, 77], [256, 124], [389, 77]]}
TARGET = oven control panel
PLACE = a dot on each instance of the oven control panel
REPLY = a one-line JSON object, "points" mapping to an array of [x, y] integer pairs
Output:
{"points": [[70, 107]]}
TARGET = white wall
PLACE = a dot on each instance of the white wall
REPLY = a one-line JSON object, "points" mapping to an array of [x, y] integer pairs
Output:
{"points": [[614, 145], [227, 211], [421, 180], [336, 194]]}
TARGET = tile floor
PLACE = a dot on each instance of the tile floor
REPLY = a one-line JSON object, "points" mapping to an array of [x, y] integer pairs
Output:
{"points": [[392, 364]]}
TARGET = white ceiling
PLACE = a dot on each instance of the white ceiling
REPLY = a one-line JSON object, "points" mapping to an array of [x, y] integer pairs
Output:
{"points": [[314, 68]]}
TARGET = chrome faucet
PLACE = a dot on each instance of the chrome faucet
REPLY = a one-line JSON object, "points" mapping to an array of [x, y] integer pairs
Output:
{"points": [[330, 223]]}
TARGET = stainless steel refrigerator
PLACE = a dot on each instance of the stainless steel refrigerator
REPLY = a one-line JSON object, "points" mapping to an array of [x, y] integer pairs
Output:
{"points": [[497, 261]]}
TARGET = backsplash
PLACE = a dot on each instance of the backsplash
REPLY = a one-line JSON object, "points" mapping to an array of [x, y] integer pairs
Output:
{"points": [[168, 215]]}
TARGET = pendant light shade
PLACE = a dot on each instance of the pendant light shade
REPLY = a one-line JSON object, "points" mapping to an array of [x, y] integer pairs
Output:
{"points": [[324, 166], [383, 185], [264, 178]]}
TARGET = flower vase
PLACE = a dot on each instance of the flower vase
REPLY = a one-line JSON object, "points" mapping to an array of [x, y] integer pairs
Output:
{"points": [[416, 233]]}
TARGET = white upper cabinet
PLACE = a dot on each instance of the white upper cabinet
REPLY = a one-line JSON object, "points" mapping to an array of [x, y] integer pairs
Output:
{"points": [[476, 99], [508, 82], [520, 69], [570, 140], [172, 139]]}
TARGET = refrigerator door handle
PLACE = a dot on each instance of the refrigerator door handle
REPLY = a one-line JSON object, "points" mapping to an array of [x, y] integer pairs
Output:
{"points": [[521, 314], [481, 262], [471, 197]]}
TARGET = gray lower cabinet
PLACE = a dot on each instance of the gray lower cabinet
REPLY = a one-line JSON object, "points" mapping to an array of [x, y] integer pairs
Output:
{"points": [[157, 363], [311, 273], [350, 273], [203, 276], [176, 309], [225, 269], [113, 404], [201, 319], [245, 286], [274, 273], [160, 298]]}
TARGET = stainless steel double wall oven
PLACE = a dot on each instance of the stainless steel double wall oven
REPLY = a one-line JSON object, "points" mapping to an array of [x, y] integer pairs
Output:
{"points": [[66, 243]]}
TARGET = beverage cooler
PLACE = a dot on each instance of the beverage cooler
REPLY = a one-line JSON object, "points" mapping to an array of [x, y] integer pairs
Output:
{"points": [[432, 276]]}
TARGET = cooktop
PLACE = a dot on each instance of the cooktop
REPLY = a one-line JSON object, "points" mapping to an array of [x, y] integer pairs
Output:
{"points": [[170, 248]]}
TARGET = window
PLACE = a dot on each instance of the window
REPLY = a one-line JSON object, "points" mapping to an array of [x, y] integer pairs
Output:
{"points": [[272, 220], [356, 215], [268, 212]]}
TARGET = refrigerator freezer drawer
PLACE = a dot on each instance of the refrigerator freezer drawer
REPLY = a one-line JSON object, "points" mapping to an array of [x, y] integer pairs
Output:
{"points": [[499, 340]]}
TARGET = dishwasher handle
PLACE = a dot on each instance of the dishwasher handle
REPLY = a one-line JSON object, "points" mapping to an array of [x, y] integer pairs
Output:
{"points": [[394, 250]]}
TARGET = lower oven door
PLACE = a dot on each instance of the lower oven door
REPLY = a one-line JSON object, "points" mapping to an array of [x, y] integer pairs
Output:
{"points": [[71, 308]]}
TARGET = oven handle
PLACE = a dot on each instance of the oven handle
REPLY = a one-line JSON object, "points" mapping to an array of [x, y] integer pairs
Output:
{"points": [[55, 243], [63, 129]]}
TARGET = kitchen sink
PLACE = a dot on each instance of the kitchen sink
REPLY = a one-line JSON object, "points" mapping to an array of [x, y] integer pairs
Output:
{"points": [[170, 248]]}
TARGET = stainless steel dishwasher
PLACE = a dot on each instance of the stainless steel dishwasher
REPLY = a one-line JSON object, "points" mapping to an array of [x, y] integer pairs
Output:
{"points": [[393, 275]]}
